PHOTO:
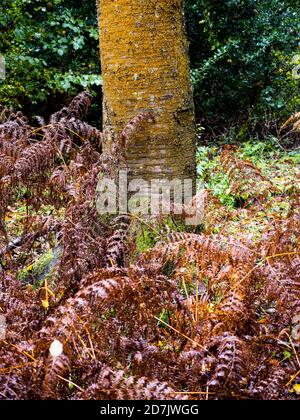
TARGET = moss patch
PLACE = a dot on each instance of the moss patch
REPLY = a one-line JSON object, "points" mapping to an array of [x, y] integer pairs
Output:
{"points": [[37, 271]]}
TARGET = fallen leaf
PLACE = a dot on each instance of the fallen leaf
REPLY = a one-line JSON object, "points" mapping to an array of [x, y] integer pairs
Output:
{"points": [[297, 389]]}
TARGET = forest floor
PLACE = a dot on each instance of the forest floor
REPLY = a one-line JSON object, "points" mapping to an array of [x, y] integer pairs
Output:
{"points": [[279, 168], [235, 213], [124, 308]]}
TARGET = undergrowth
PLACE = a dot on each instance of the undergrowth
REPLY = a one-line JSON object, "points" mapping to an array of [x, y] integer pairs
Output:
{"points": [[121, 308]]}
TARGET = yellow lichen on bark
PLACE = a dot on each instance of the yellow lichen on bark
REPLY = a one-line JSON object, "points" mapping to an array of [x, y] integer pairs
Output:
{"points": [[145, 66]]}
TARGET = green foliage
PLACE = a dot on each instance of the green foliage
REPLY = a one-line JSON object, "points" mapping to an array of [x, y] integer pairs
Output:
{"points": [[208, 167], [51, 52], [148, 234], [280, 166], [242, 54], [145, 240], [38, 270]]}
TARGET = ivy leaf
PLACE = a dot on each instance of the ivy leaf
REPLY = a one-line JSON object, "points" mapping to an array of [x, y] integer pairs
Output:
{"points": [[78, 43]]}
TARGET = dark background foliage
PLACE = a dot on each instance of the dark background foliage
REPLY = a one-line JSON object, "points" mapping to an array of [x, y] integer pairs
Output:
{"points": [[242, 55], [51, 51]]}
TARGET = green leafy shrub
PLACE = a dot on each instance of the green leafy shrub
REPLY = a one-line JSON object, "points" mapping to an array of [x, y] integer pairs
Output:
{"points": [[51, 52], [242, 54]]}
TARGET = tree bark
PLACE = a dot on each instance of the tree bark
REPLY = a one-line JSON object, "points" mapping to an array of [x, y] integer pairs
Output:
{"points": [[145, 67]]}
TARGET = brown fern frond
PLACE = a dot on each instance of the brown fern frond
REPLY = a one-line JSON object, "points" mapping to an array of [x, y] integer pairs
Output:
{"points": [[6, 165], [294, 120], [233, 311], [132, 127], [80, 105], [231, 367], [34, 159], [81, 131], [78, 108], [114, 385], [116, 245], [272, 387], [246, 180]]}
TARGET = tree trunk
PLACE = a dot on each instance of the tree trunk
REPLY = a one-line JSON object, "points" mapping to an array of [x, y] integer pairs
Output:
{"points": [[145, 66]]}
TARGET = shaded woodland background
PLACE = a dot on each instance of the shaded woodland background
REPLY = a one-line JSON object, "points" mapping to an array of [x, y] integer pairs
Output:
{"points": [[241, 53]]}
